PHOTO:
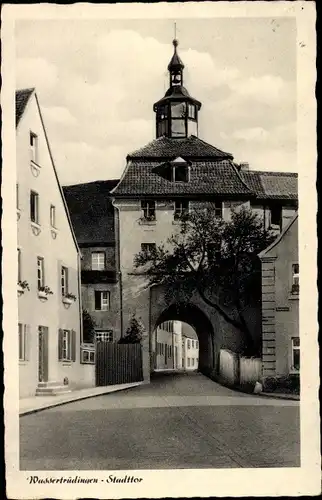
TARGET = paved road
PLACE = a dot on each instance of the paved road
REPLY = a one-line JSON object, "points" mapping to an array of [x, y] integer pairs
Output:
{"points": [[178, 421]]}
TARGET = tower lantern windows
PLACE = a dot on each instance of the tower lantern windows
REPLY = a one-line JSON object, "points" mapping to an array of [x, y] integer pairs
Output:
{"points": [[176, 78]]}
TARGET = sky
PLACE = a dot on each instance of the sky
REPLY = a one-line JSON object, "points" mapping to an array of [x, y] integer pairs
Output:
{"points": [[97, 80]]}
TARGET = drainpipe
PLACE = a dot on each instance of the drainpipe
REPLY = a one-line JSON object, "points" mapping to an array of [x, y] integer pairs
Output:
{"points": [[118, 258], [80, 305]]}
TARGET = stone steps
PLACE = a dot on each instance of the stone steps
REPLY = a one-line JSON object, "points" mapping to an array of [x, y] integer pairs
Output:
{"points": [[51, 389]]}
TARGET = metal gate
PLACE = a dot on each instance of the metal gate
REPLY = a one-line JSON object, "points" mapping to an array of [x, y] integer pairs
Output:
{"points": [[118, 363]]}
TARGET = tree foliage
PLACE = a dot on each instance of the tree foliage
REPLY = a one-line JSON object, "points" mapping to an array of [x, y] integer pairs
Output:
{"points": [[88, 327], [134, 333], [215, 258]]}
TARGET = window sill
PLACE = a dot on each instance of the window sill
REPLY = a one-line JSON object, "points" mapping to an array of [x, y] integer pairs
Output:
{"points": [[294, 296], [293, 371], [35, 168], [23, 362], [66, 362], [54, 232], [145, 222], [36, 228]]}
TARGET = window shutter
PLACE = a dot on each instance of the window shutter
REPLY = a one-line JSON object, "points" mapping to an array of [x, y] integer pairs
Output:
{"points": [[97, 301], [27, 342], [60, 344], [73, 345]]}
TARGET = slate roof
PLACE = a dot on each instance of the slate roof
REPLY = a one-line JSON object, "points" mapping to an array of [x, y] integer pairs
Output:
{"points": [[91, 211], [206, 178], [22, 98], [189, 147], [272, 185]]}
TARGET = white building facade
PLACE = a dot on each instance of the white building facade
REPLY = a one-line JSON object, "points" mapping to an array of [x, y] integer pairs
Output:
{"points": [[48, 282]]}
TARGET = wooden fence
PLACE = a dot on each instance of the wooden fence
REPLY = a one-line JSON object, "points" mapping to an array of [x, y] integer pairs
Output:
{"points": [[238, 370], [118, 363]]}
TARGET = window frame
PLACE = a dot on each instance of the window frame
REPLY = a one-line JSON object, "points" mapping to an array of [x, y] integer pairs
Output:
{"points": [[179, 209], [96, 265], [22, 341], [109, 334], [64, 280], [295, 276], [41, 271], [33, 147], [52, 216], [295, 349], [19, 264], [148, 209], [34, 217], [66, 352], [108, 302]]}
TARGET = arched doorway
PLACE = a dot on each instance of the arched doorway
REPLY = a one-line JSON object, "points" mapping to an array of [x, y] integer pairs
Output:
{"points": [[192, 315]]}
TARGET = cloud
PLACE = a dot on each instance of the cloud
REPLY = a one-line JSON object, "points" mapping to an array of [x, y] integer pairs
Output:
{"points": [[59, 114], [97, 88], [256, 134]]}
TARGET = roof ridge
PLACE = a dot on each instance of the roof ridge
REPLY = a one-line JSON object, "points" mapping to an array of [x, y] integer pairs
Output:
{"points": [[271, 172]]}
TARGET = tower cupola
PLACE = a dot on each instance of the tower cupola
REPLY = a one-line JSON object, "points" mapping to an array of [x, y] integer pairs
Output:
{"points": [[177, 111]]}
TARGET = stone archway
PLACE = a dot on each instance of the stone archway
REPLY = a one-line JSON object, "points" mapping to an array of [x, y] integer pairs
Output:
{"points": [[195, 317]]}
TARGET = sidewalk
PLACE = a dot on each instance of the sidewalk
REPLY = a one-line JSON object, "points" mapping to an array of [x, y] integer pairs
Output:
{"points": [[38, 403]]}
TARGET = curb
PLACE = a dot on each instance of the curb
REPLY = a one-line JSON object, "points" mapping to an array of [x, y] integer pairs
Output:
{"points": [[292, 397], [76, 398]]}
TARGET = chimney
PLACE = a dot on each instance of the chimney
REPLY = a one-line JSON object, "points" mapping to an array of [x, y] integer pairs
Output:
{"points": [[244, 166]]}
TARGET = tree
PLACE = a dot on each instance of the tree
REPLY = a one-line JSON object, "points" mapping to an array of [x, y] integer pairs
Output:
{"points": [[215, 258], [134, 333], [88, 327]]}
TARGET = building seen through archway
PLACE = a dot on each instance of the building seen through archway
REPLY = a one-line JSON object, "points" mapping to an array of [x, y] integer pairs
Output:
{"points": [[175, 346]]}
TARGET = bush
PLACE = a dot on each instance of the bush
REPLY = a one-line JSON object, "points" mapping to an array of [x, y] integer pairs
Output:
{"points": [[288, 384], [134, 333]]}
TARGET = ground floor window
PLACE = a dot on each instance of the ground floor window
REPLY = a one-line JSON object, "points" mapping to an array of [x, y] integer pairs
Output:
{"points": [[104, 336], [67, 345], [296, 353], [188, 361], [88, 357], [23, 339]]}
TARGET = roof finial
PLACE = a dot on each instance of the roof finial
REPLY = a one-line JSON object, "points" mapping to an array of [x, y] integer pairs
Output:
{"points": [[175, 41]]}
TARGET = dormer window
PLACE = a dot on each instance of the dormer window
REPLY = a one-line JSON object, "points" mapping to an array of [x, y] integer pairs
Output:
{"points": [[192, 111], [180, 170], [148, 210]]}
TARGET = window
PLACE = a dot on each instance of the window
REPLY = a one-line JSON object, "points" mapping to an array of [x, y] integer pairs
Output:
{"points": [[53, 216], [34, 207], [102, 300], [149, 248], [88, 356], [178, 128], [19, 264], [148, 209], [180, 173], [192, 344], [188, 361], [67, 345], [17, 197], [104, 336], [295, 279], [191, 111], [40, 272], [193, 361], [188, 344], [33, 147], [170, 351], [218, 210], [98, 261], [22, 332], [181, 208], [196, 344], [178, 110], [276, 216], [64, 281], [296, 353]]}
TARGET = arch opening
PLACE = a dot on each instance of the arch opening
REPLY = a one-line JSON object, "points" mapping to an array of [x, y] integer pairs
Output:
{"points": [[193, 341]]}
